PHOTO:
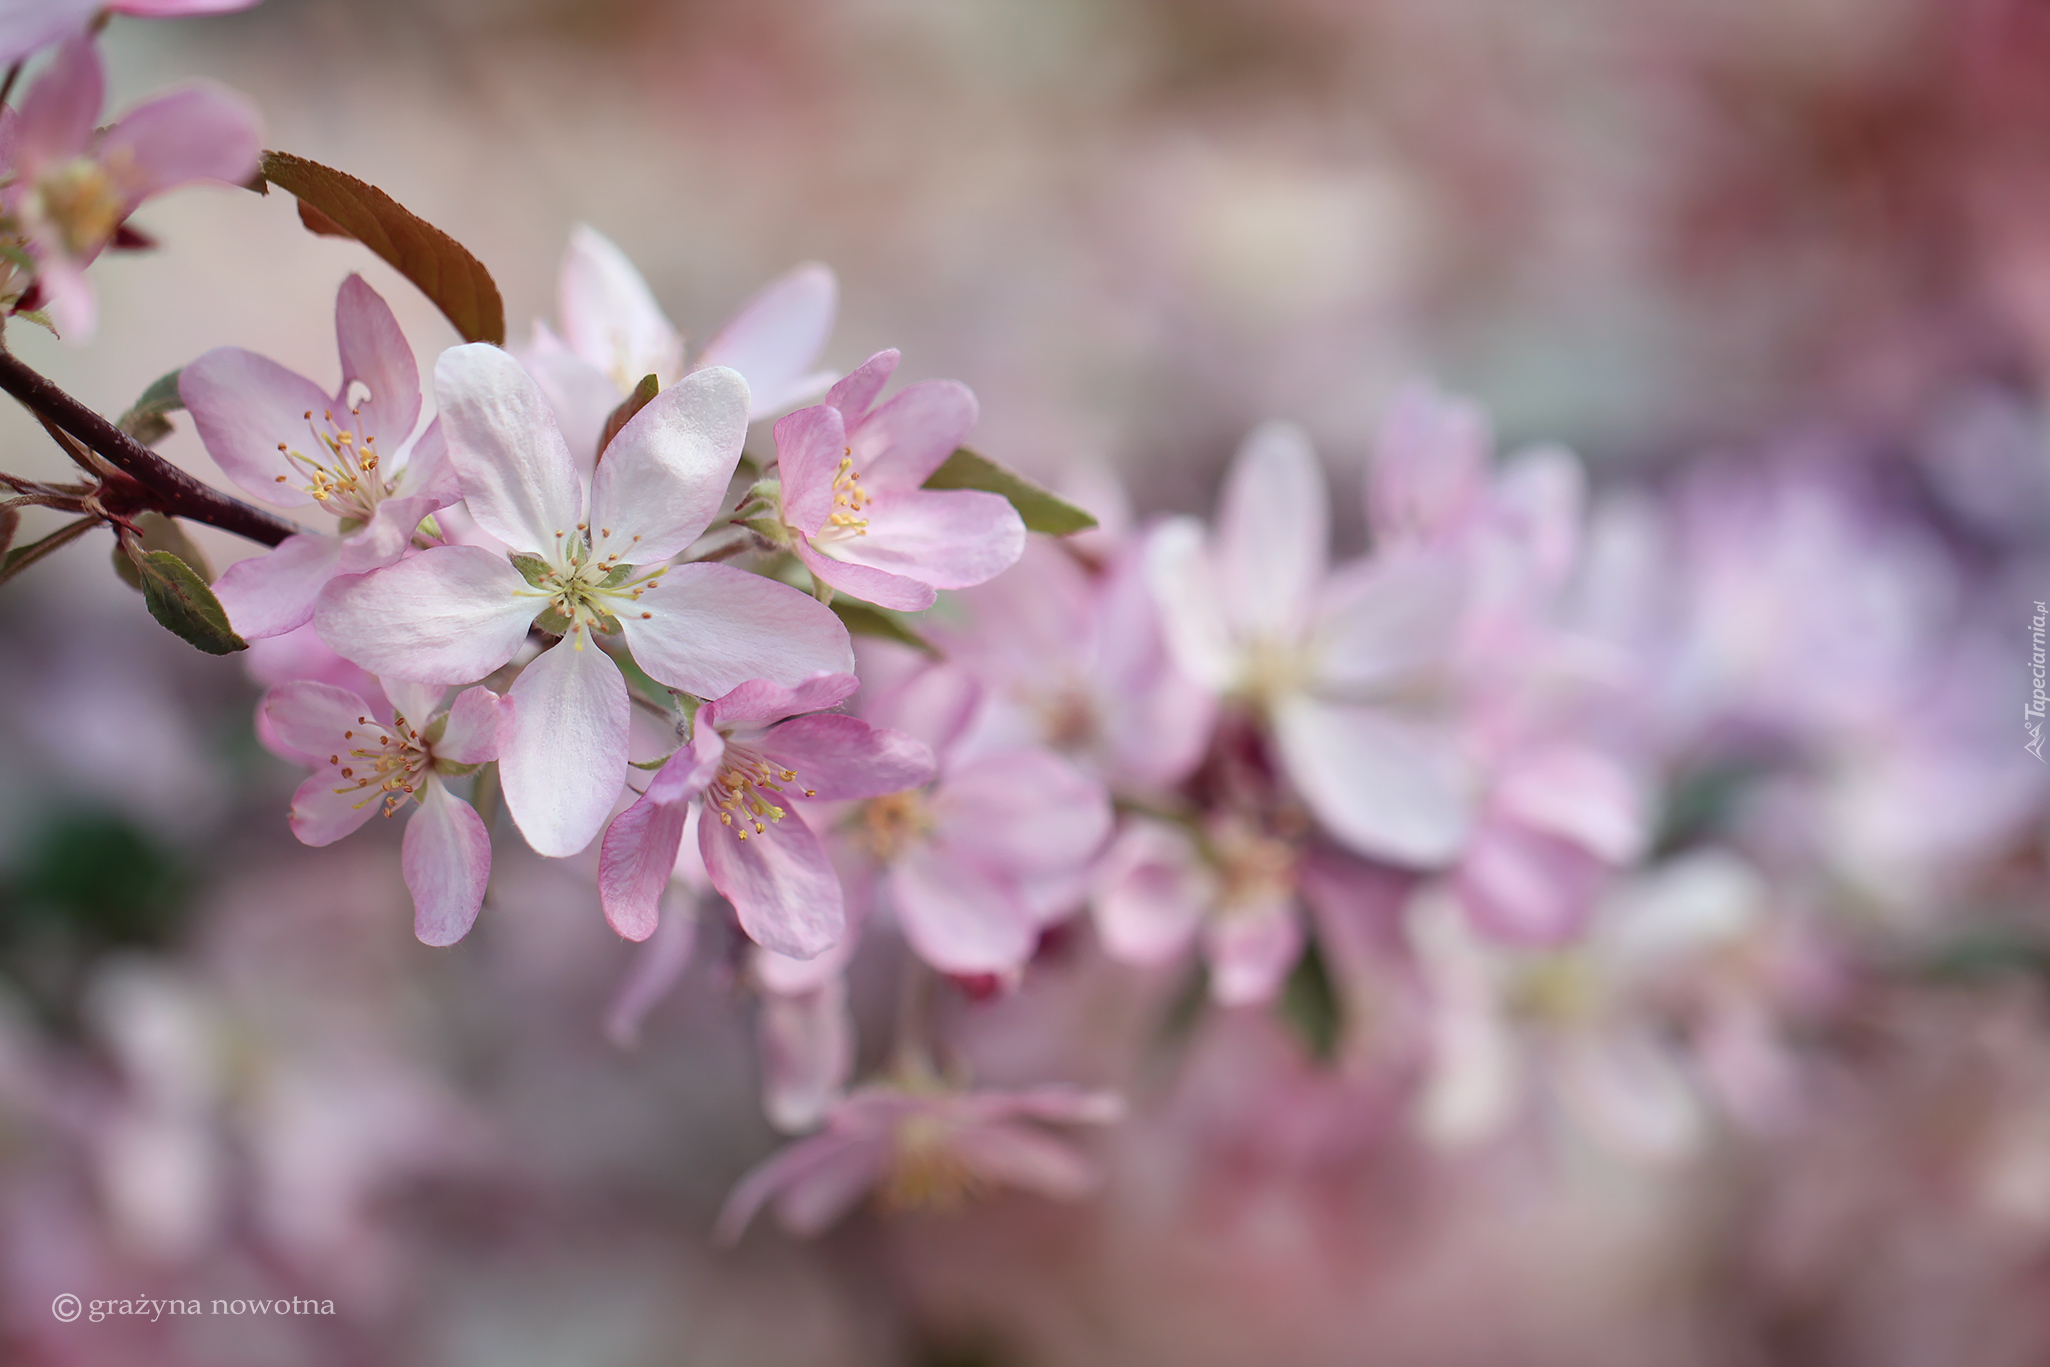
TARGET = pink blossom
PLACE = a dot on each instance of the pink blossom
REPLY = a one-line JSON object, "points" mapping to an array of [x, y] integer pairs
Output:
{"points": [[924, 1149], [804, 1033], [975, 866], [353, 453], [1349, 668], [586, 569], [70, 185], [370, 767], [850, 505], [29, 25], [753, 754], [613, 333]]}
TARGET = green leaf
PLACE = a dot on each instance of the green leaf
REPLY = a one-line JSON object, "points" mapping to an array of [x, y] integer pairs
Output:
{"points": [[145, 420], [181, 601], [1042, 511], [865, 619], [336, 204], [21, 557], [159, 533], [624, 414], [1309, 1005]]}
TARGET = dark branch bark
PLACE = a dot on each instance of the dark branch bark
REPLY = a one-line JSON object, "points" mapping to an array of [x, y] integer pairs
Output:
{"points": [[169, 489]]}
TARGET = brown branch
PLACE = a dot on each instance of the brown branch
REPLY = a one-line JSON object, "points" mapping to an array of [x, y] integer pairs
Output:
{"points": [[163, 486]]}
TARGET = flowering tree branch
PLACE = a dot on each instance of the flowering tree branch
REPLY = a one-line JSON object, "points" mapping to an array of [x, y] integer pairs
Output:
{"points": [[152, 482]]}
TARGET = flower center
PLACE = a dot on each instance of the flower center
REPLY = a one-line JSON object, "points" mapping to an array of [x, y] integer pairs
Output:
{"points": [[1273, 670], [925, 1172], [741, 792], [849, 498], [383, 767], [343, 476], [585, 589], [1254, 869], [892, 824], [82, 201]]}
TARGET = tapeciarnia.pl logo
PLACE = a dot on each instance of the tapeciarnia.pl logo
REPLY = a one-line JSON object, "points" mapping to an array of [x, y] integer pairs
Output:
{"points": [[2039, 700]]}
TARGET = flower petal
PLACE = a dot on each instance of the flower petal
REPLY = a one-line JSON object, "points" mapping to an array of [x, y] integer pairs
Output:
{"points": [[777, 336], [27, 28], [656, 970], [814, 1182], [563, 759], [665, 475], [951, 538], [580, 395], [707, 629], [810, 445], [1273, 533], [806, 1044], [884, 589], [375, 354], [958, 917], [758, 701], [641, 845], [1383, 784], [310, 717], [327, 806], [610, 316], [1580, 795], [1022, 812], [477, 722], [428, 472], [447, 615], [269, 595], [62, 106], [1151, 893], [1023, 1157], [837, 757], [900, 444], [197, 132], [1251, 950], [1183, 577], [517, 476], [1527, 887], [1387, 620], [245, 406], [856, 394], [1430, 466], [446, 857], [782, 885]]}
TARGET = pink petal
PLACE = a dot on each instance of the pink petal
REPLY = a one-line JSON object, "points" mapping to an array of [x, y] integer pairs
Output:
{"points": [[29, 26], [269, 595], [806, 1044], [900, 444], [518, 479], [1151, 894], [62, 106], [1579, 795], [1057, 1102], [665, 474], [563, 759], [580, 395], [781, 884], [1384, 785], [327, 806], [639, 855], [416, 703], [67, 295], [856, 394], [1273, 533], [707, 629], [447, 615], [957, 916], [758, 700], [477, 723], [810, 444], [428, 472], [1526, 887], [951, 539], [777, 336], [1543, 495], [840, 757], [610, 316], [1251, 950], [1183, 577], [1429, 468], [933, 702], [446, 856], [1022, 812], [881, 587], [244, 405], [657, 968], [1020, 1156], [170, 9], [311, 717], [375, 354], [198, 132], [1387, 620], [817, 1180], [1159, 719]]}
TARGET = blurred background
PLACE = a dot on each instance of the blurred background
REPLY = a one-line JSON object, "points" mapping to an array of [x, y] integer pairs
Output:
{"points": [[1778, 270]]}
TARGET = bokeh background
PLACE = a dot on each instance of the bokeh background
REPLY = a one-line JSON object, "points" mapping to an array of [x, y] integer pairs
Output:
{"points": [[1724, 249]]}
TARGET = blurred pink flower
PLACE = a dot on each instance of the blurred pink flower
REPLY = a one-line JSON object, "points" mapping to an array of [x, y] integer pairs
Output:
{"points": [[29, 25], [367, 466], [925, 1149], [1347, 667], [613, 333], [455, 613], [745, 747], [372, 767], [71, 185], [851, 503]]}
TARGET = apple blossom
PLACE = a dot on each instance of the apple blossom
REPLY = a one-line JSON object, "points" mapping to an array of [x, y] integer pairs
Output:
{"points": [[353, 453], [70, 185], [27, 25], [582, 569], [850, 503], [371, 768]]}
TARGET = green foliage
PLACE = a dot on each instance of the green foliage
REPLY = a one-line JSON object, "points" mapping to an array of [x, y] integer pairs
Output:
{"points": [[180, 600], [1309, 1005], [145, 420], [1042, 510], [21, 557], [159, 533], [335, 204]]}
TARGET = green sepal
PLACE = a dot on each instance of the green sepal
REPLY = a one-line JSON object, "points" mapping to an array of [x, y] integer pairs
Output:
{"points": [[553, 622], [532, 568], [619, 575], [450, 769]]}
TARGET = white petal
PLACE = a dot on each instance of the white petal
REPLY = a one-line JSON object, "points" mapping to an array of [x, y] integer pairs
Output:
{"points": [[446, 856], [1384, 784], [446, 615], [665, 475], [776, 338], [708, 629], [1387, 620], [564, 756], [610, 316], [516, 472], [1184, 583], [1273, 533]]}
